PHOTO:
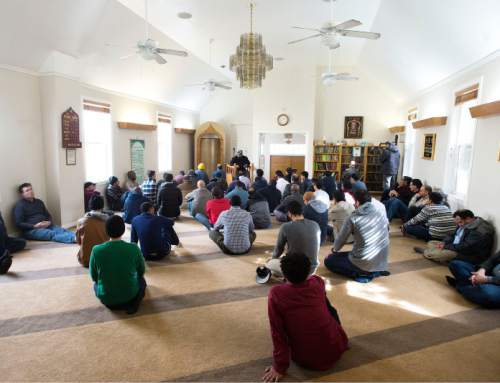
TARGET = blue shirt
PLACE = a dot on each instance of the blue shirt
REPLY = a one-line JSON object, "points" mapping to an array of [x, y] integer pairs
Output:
{"points": [[154, 232], [458, 235], [358, 185], [132, 206], [243, 195]]}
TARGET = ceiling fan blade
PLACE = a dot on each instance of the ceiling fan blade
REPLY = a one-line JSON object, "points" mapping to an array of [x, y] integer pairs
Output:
{"points": [[364, 35], [220, 85], [305, 38], [346, 77], [127, 56], [202, 84], [159, 59], [172, 52], [348, 24], [307, 29]]}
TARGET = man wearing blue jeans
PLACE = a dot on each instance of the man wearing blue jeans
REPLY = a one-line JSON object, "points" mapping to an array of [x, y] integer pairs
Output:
{"points": [[33, 218], [481, 286], [368, 258]]}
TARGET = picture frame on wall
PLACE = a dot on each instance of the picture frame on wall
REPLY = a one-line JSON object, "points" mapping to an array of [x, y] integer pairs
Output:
{"points": [[70, 157], [429, 147], [353, 127]]}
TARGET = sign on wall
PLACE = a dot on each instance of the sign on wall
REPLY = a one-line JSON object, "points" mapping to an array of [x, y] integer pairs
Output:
{"points": [[353, 127], [137, 148], [70, 123]]}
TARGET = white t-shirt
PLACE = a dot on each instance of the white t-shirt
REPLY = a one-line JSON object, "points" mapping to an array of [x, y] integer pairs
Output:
{"points": [[281, 185], [321, 195]]}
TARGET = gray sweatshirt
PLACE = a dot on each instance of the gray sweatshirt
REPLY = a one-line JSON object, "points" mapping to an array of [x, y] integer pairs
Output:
{"points": [[371, 238], [302, 236]]}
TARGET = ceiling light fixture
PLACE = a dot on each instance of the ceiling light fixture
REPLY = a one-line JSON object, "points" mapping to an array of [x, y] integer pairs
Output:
{"points": [[184, 15], [251, 61]]}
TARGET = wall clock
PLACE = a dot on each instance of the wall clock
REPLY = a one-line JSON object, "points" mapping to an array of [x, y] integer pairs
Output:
{"points": [[283, 119]]}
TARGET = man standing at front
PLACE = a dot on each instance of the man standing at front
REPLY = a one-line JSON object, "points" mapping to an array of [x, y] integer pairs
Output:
{"points": [[390, 164]]}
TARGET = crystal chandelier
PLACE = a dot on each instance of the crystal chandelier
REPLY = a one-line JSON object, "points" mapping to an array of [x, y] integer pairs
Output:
{"points": [[251, 60]]}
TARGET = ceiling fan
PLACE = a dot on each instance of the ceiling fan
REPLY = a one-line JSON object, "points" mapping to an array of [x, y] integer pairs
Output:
{"points": [[149, 49], [211, 85], [329, 78], [330, 31]]}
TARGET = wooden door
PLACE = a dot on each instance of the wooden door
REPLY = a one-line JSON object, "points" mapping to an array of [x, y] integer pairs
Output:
{"points": [[283, 162]]}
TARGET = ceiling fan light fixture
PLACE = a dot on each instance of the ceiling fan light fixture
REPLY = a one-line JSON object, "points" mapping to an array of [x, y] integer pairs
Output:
{"points": [[184, 15]]}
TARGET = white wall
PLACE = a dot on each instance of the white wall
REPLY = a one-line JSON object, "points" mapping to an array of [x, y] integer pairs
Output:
{"points": [[439, 101], [21, 148]]}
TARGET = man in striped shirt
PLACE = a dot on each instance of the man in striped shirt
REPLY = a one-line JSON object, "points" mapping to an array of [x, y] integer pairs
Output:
{"points": [[149, 187], [434, 222]]}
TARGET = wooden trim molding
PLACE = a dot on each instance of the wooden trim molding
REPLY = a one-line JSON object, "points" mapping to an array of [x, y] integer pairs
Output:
{"points": [[135, 126], [397, 129], [433, 121], [185, 131], [485, 110]]}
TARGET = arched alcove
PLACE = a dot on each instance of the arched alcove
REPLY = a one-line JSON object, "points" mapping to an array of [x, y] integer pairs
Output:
{"points": [[210, 145]]}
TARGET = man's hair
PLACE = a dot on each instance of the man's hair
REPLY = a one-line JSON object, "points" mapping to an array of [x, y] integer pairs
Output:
{"points": [[217, 192], [464, 214], [201, 184], [362, 196], [295, 208], [436, 198], [279, 173], [428, 188], [240, 184], [327, 173], [339, 195], [417, 183], [151, 173], [305, 174], [355, 177], [96, 202], [168, 177], [294, 188], [308, 196], [235, 200], [112, 180], [146, 206], [115, 226], [22, 186], [260, 172], [87, 184], [295, 267], [131, 175], [219, 166], [346, 185], [408, 179], [295, 179], [138, 190], [318, 183]]}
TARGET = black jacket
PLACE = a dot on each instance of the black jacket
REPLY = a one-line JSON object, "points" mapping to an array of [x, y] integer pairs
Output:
{"points": [[329, 185], [476, 242], [169, 200], [272, 195], [317, 211]]}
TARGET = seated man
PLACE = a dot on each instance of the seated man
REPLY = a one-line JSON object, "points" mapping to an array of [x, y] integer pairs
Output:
{"points": [[272, 195], [201, 174], [339, 212], [478, 284], [401, 191], [8, 246], [214, 207], [304, 325], [114, 194], [328, 182], [418, 202], [281, 182], [320, 194], [348, 193], [316, 211], [117, 270], [169, 198], [300, 235], [33, 218], [88, 192], [434, 221], [155, 233], [132, 205], [219, 173], [471, 242], [241, 192], [131, 183], [368, 258], [281, 212], [243, 178], [356, 183], [91, 230], [259, 210], [238, 229], [198, 198], [294, 180], [179, 178], [149, 187], [260, 182], [398, 200]]}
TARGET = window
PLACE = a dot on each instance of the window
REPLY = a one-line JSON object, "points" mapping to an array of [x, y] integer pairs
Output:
{"points": [[461, 141], [97, 140], [164, 142], [409, 143]]}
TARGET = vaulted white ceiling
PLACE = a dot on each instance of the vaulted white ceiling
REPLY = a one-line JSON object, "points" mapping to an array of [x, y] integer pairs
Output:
{"points": [[423, 41]]}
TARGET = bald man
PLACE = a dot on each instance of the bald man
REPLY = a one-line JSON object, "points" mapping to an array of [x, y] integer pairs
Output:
{"points": [[198, 198]]}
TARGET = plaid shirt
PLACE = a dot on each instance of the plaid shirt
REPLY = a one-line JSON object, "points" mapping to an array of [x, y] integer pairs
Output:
{"points": [[237, 224], [149, 190]]}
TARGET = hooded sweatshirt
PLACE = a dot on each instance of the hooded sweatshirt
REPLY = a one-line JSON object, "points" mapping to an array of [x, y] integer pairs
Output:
{"points": [[90, 231], [475, 243], [371, 238], [390, 160], [317, 211]]}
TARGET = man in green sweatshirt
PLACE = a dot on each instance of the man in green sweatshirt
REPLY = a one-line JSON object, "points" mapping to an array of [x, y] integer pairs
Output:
{"points": [[117, 269]]}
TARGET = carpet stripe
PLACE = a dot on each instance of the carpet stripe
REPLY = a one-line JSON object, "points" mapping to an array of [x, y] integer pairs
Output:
{"points": [[100, 314], [369, 348]]}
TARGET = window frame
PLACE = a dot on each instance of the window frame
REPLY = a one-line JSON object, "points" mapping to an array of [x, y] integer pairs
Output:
{"points": [[159, 117]]}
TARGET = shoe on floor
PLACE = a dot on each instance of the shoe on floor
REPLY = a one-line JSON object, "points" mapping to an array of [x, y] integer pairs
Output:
{"points": [[419, 250], [451, 281]]}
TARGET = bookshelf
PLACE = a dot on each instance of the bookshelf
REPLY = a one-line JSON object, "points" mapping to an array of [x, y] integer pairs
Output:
{"points": [[336, 159]]}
